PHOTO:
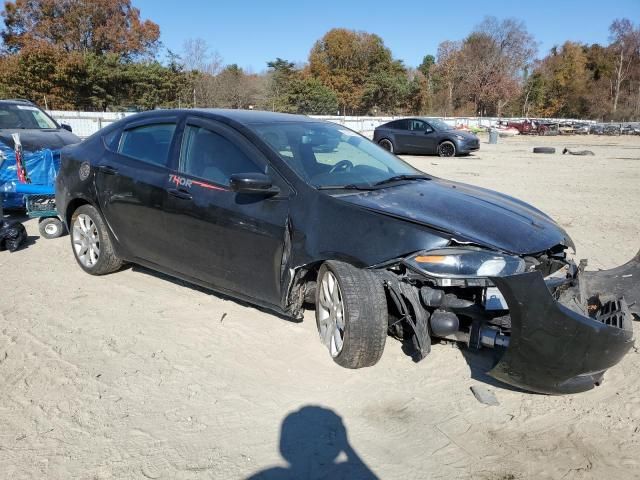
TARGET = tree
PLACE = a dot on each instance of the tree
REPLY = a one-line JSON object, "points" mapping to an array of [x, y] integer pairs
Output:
{"points": [[87, 26], [626, 47], [281, 75], [564, 80], [203, 66], [348, 62], [447, 69], [491, 62], [236, 88], [309, 96]]}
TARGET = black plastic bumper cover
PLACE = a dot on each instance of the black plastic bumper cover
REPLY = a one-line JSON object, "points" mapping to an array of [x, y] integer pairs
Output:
{"points": [[553, 349]]}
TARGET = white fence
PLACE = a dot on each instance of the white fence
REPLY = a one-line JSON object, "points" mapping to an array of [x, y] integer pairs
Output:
{"points": [[87, 123]]}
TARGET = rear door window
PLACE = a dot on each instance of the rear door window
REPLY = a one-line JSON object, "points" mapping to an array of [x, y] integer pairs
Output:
{"points": [[148, 143], [400, 125]]}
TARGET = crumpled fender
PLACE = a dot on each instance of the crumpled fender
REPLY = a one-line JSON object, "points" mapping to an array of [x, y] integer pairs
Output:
{"points": [[553, 349]]}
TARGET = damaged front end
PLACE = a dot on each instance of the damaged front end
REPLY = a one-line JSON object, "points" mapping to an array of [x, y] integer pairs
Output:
{"points": [[558, 327]]}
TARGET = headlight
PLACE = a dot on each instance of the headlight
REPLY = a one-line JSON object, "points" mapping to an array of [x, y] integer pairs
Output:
{"points": [[466, 263], [459, 137]]}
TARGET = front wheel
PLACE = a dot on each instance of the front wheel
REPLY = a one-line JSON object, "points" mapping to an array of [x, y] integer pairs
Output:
{"points": [[447, 149], [351, 314]]}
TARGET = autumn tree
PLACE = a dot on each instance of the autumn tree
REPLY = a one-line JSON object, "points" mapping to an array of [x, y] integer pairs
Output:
{"points": [[87, 26], [348, 62], [491, 63], [447, 70]]}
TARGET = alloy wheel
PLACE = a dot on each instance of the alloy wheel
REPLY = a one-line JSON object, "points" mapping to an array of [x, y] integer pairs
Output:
{"points": [[331, 320], [86, 240], [386, 144], [446, 149]]}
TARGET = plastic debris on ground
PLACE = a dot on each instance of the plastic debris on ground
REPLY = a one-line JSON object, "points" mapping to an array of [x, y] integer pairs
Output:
{"points": [[484, 395], [12, 235]]}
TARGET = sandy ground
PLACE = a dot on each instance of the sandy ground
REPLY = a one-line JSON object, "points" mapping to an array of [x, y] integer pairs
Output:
{"points": [[133, 375]]}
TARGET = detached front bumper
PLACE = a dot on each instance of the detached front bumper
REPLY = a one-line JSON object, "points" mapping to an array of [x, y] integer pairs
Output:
{"points": [[555, 349]]}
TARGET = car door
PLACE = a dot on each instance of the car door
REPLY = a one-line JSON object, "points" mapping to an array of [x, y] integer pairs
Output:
{"points": [[403, 136], [131, 183], [230, 240], [423, 136]]}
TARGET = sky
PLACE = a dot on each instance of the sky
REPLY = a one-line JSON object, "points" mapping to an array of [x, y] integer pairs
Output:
{"points": [[252, 32]]}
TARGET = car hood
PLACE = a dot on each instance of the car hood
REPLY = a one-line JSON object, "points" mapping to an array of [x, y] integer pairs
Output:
{"points": [[467, 214], [33, 140]]}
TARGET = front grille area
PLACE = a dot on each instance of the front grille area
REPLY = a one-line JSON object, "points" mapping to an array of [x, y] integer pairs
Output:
{"points": [[613, 313]]}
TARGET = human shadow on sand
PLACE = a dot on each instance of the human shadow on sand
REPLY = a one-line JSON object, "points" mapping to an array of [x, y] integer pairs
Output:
{"points": [[314, 443]]}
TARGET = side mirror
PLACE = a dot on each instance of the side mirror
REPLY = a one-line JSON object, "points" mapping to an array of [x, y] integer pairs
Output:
{"points": [[428, 130], [252, 183], [66, 127]]}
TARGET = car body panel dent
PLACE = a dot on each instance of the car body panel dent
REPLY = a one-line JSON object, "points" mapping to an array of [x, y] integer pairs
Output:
{"points": [[468, 213]]}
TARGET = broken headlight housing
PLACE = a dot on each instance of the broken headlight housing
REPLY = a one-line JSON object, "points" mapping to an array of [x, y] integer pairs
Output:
{"points": [[466, 263]]}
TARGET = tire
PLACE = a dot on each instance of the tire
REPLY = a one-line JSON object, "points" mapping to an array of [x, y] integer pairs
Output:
{"points": [[89, 233], [51, 227], [387, 145], [364, 314], [544, 150], [447, 149]]}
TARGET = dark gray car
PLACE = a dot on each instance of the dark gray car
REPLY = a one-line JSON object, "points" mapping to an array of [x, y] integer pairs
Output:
{"points": [[424, 136]]}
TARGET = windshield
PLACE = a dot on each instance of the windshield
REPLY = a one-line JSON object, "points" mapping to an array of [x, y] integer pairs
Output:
{"points": [[439, 124], [24, 117], [329, 155]]}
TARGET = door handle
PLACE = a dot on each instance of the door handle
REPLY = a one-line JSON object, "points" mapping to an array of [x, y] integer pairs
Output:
{"points": [[181, 194], [108, 169]]}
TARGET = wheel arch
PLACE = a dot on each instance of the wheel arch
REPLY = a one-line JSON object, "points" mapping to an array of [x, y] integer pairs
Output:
{"points": [[73, 205]]}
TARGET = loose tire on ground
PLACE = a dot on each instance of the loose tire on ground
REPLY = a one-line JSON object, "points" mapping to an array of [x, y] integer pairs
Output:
{"points": [[387, 145], [107, 261], [544, 150], [364, 312], [447, 149], [50, 227]]}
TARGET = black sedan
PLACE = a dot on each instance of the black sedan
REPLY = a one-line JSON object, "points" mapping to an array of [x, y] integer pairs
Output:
{"points": [[284, 210], [425, 136]]}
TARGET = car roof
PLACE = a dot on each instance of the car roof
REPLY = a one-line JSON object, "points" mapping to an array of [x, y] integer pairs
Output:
{"points": [[244, 117], [255, 116], [17, 101]]}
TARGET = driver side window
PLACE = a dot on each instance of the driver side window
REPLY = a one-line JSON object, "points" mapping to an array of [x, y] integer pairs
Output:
{"points": [[211, 156]]}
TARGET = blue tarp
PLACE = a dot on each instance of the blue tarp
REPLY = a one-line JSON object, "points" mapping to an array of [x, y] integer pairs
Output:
{"points": [[42, 167]]}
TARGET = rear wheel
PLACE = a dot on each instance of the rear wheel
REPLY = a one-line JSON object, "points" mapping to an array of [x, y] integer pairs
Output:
{"points": [[447, 149], [91, 243], [351, 314], [386, 144]]}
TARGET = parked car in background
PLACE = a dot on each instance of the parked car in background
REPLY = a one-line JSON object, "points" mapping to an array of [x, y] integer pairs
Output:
{"points": [[282, 210], [36, 128], [421, 136], [39, 139]]}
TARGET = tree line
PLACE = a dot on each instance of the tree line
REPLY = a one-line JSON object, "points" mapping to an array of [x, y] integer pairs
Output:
{"points": [[100, 55]]}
